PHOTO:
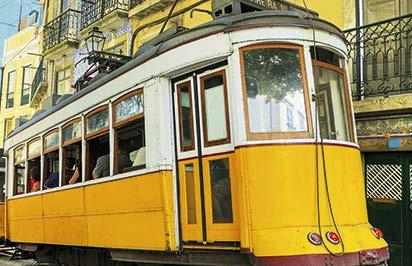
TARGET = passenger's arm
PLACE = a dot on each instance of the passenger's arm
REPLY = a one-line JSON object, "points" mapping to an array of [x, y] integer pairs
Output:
{"points": [[75, 176], [98, 169]]}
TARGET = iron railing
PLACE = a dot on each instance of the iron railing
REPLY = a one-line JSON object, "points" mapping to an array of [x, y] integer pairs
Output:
{"points": [[62, 28], [39, 78], [380, 57], [93, 10]]}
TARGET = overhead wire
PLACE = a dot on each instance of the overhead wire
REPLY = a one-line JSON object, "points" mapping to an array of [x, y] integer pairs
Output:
{"points": [[317, 135]]}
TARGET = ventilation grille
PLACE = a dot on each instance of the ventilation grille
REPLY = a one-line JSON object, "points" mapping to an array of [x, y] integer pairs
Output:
{"points": [[384, 181]]}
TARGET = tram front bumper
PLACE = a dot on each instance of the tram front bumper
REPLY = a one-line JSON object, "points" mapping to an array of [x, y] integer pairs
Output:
{"points": [[363, 257]]}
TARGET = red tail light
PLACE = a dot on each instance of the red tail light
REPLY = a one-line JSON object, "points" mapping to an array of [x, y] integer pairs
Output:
{"points": [[333, 237], [315, 239], [377, 233]]}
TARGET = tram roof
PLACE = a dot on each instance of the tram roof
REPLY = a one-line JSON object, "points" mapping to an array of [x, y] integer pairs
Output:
{"points": [[223, 24]]}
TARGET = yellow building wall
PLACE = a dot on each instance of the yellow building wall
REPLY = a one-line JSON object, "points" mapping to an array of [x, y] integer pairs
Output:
{"points": [[330, 10], [16, 56], [131, 213]]}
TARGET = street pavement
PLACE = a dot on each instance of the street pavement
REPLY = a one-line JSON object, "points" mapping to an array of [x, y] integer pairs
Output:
{"points": [[5, 260]]}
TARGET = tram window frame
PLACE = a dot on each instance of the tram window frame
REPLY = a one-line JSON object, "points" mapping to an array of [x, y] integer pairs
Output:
{"points": [[51, 151], [67, 144], [15, 166], [94, 136], [222, 141], [304, 80], [179, 87], [347, 97], [130, 121], [34, 159]]}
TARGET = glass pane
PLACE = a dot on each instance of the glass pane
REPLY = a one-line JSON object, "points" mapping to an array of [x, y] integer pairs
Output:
{"points": [[215, 109], [19, 171], [34, 149], [333, 116], [98, 121], [276, 101], [190, 194], [130, 107], [221, 193], [11, 82], [51, 140], [18, 156], [186, 120], [377, 10], [74, 131]]}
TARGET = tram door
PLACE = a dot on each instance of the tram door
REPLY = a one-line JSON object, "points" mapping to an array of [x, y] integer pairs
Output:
{"points": [[207, 179], [389, 199]]}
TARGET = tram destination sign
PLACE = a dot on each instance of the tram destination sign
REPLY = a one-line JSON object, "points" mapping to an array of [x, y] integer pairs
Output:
{"points": [[277, 5]]}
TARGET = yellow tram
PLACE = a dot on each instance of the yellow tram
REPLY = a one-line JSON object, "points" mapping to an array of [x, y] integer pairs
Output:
{"points": [[232, 143]]}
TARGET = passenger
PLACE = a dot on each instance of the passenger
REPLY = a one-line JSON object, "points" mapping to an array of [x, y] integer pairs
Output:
{"points": [[102, 168], [34, 180], [53, 180], [74, 176]]}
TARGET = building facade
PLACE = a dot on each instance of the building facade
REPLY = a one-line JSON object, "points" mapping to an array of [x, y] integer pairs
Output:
{"points": [[22, 55], [380, 43]]}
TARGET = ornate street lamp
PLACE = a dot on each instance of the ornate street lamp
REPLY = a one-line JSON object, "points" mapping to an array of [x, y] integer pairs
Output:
{"points": [[95, 41], [100, 62]]}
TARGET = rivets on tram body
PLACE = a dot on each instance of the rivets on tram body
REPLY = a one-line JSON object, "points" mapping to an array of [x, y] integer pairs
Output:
{"points": [[333, 237], [377, 232], [315, 239]]}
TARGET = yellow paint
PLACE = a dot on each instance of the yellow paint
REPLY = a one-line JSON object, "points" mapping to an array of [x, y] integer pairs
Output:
{"points": [[330, 10], [281, 183], [2, 220], [131, 213]]}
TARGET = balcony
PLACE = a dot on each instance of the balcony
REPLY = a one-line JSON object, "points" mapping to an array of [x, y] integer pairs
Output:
{"points": [[39, 85], [380, 58], [63, 28], [94, 10]]}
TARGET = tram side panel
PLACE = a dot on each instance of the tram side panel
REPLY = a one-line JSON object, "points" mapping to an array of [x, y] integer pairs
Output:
{"points": [[280, 183], [130, 213]]}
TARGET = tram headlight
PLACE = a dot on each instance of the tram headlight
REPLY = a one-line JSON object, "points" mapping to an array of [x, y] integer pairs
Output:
{"points": [[377, 232], [333, 238], [315, 239]]}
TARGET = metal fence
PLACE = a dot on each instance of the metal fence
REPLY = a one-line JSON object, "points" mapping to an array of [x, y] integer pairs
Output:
{"points": [[93, 10], [62, 28], [380, 57]]}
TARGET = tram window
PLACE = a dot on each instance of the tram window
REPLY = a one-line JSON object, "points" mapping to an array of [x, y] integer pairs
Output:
{"points": [[33, 179], [72, 151], [215, 109], [98, 157], [184, 94], [33, 175], [130, 151], [19, 171], [276, 99], [51, 160], [98, 144], [221, 191], [332, 100], [190, 194]]}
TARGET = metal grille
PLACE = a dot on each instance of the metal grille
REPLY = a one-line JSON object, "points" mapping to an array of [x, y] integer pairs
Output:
{"points": [[93, 10], [384, 181], [62, 28], [380, 56], [410, 181]]}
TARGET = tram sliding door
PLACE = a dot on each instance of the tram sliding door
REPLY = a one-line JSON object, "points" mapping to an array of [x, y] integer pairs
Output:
{"points": [[207, 180]]}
